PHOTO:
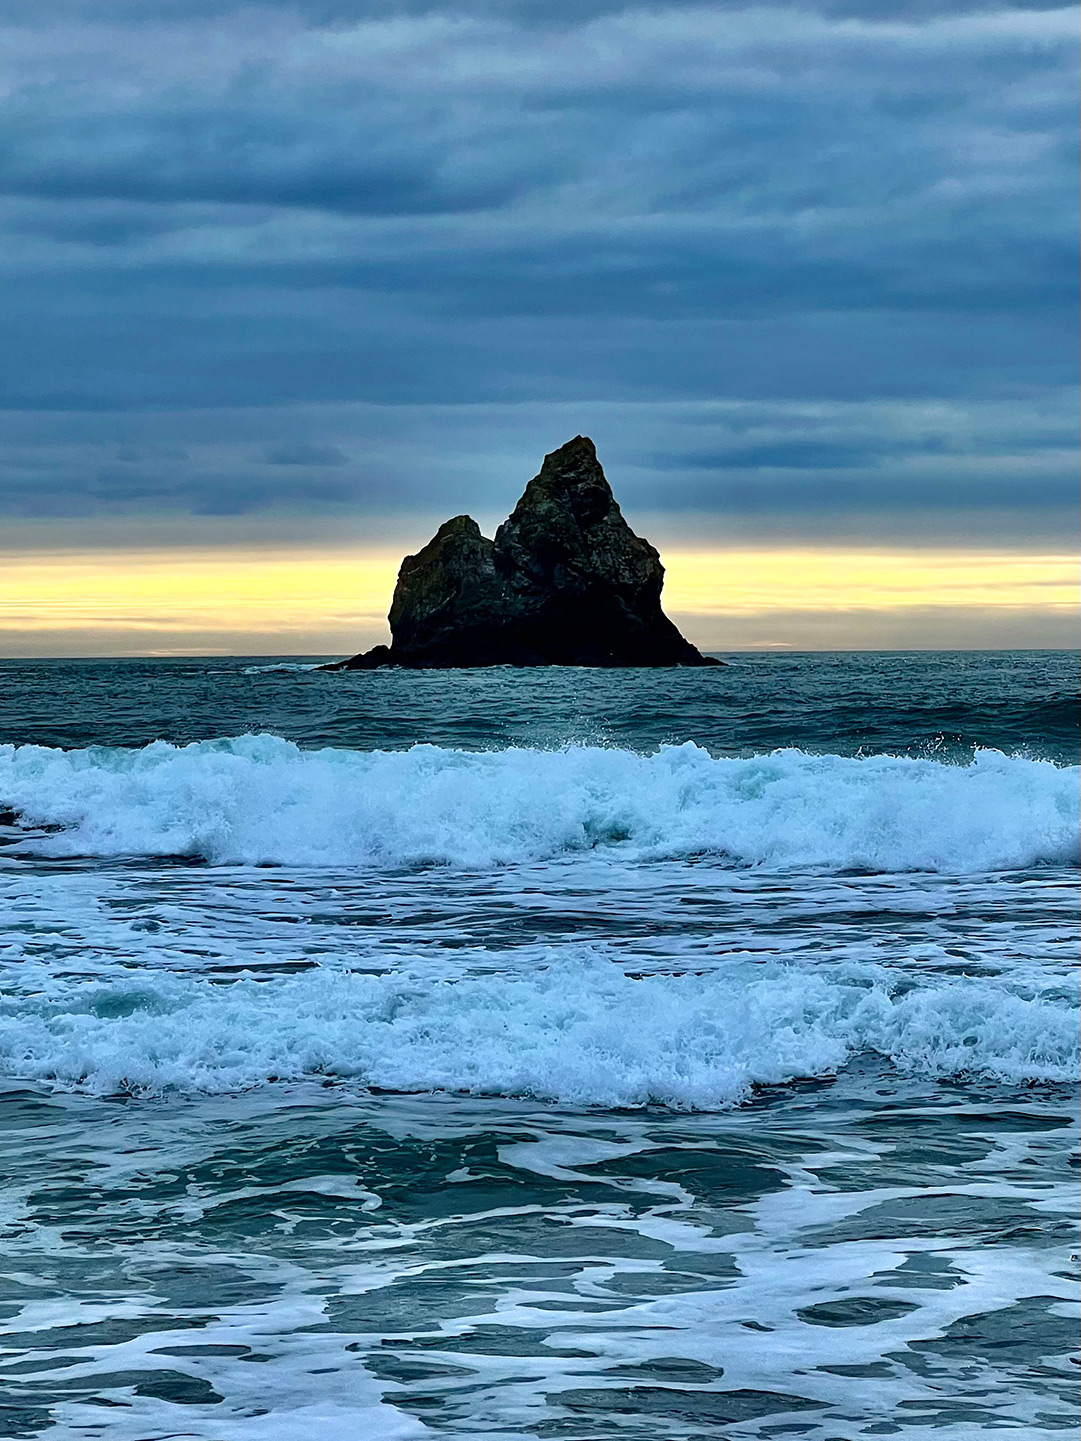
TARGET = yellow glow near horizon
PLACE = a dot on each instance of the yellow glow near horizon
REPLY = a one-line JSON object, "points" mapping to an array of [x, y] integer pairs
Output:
{"points": [[341, 595], [756, 582], [170, 590]]}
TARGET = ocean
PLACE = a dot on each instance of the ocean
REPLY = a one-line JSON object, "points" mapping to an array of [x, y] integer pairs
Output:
{"points": [[578, 1054]]}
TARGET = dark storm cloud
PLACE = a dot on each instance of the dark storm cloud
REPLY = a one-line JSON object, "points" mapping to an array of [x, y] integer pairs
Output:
{"points": [[768, 487], [926, 471], [302, 453], [129, 481], [207, 204], [797, 454], [539, 13]]}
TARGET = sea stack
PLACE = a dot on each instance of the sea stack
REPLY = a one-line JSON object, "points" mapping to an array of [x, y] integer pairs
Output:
{"points": [[565, 582]]}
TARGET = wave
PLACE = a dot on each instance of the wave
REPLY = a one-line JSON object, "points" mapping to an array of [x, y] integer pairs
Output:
{"points": [[578, 1031], [283, 667], [259, 800]]}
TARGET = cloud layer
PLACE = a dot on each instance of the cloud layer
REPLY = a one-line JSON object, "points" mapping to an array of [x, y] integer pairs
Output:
{"points": [[839, 235]]}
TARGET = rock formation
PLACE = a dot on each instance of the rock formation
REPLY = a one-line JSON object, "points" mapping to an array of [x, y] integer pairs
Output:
{"points": [[565, 582]]}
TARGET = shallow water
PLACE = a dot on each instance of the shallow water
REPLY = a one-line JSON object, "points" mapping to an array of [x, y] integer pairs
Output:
{"points": [[560, 1054]]}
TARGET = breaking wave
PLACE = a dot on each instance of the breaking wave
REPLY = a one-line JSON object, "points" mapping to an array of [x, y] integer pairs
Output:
{"points": [[261, 800], [577, 1031]]}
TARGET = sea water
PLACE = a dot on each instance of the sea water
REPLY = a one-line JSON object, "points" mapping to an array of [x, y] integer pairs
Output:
{"points": [[539, 1054]]}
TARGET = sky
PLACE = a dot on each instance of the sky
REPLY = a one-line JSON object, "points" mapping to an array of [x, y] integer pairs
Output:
{"points": [[287, 284]]}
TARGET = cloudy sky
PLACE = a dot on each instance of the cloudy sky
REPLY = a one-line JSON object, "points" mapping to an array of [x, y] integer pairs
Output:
{"points": [[285, 284]]}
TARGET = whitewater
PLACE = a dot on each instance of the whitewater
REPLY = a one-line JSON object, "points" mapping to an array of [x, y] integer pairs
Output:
{"points": [[554, 1053], [260, 800]]}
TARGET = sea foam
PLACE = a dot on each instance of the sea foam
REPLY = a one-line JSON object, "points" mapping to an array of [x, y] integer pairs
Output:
{"points": [[262, 800], [578, 1031]]}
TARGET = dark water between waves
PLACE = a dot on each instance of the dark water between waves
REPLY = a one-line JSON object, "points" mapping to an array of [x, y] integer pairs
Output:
{"points": [[907, 703], [556, 1053]]}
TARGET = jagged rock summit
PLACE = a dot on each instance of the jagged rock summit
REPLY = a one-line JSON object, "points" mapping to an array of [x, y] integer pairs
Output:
{"points": [[565, 582]]}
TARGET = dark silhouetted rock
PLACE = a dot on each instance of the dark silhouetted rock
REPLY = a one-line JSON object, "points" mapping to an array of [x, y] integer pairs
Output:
{"points": [[565, 582]]}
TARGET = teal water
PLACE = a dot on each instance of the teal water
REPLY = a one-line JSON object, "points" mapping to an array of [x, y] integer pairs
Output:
{"points": [[548, 1054]]}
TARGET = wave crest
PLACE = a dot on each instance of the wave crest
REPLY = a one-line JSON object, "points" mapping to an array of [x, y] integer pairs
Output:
{"points": [[262, 800], [578, 1031]]}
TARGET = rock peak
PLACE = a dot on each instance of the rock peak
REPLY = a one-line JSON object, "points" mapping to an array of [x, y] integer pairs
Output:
{"points": [[570, 477], [457, 525], [573, 464], [565, 582]]}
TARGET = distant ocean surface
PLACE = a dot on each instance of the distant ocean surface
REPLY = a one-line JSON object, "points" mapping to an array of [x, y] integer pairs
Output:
{"points": [[577, 1054]]}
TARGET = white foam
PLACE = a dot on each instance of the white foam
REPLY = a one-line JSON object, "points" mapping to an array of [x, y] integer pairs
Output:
{"points": [[262, 800], [578, 1031], [282, 667]]}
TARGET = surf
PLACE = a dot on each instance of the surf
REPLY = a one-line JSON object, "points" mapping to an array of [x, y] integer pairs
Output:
{"points": [[576, 1029], [260, 800]]}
